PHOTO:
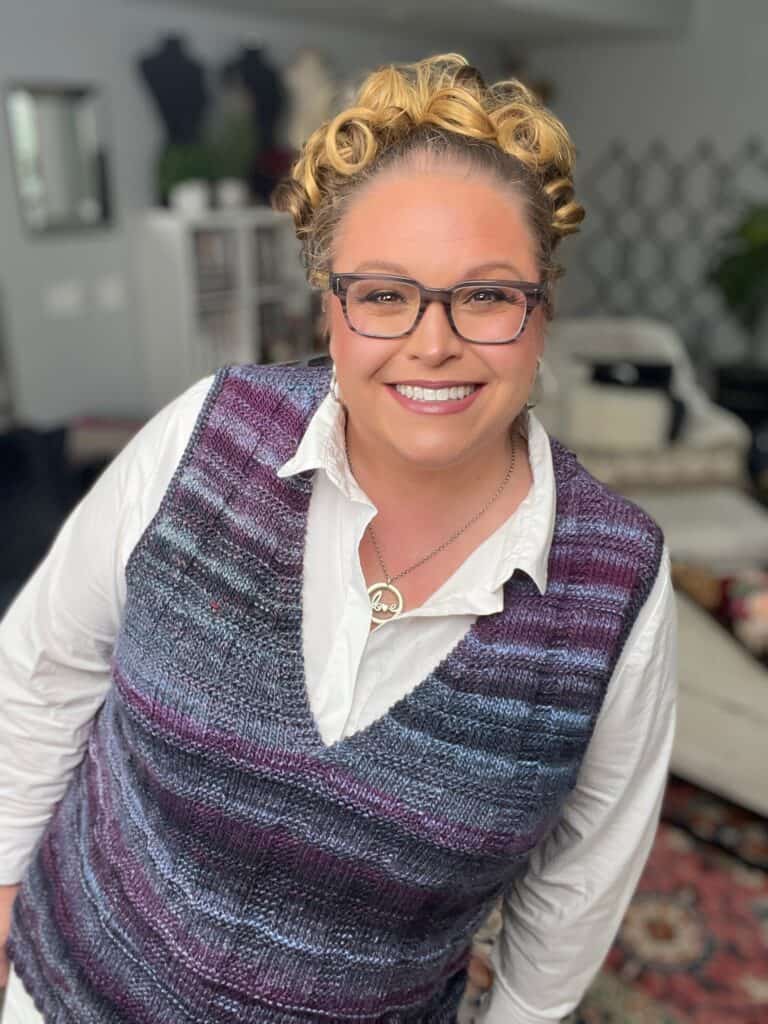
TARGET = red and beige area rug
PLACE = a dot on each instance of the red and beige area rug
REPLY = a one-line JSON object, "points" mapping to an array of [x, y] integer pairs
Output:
{"points": [[693, 946]]}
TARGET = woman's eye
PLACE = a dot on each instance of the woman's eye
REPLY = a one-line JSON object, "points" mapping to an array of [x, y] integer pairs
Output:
{"points": [[383, 298], [486, 296]]}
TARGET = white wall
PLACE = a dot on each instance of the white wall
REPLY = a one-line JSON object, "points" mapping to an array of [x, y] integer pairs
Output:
{"points": [[711, 83], [90, 362], [713, 80]]}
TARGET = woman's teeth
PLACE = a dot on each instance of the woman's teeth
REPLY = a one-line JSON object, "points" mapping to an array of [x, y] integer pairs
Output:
{"points": [[435, 395]]}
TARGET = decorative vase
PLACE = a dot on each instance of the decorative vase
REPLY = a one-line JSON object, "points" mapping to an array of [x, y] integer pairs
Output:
{"points": [[191, 197], [232, 193]]}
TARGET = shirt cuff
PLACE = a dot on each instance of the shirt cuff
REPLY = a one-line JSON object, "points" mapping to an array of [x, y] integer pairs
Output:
{"points": [[501, 1006]]}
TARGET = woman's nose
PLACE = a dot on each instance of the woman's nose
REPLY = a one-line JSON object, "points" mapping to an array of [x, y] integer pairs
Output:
{"points": [[433, 337]]}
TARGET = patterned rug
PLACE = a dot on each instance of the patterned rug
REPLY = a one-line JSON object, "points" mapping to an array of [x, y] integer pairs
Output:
{"points": [[693, 946]]}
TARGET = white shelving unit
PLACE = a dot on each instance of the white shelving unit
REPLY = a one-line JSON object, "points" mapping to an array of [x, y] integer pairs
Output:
{"points": [[226, 286]]}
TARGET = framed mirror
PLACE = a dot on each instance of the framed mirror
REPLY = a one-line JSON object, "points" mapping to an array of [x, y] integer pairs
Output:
{"points": [[58, 145]]}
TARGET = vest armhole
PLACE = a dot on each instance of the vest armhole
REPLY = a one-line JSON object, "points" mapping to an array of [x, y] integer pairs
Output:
{"points": [[641, 591], [200, 423]]}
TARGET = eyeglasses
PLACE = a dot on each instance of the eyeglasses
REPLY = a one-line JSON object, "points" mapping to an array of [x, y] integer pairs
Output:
{"points": [[482, 312]]}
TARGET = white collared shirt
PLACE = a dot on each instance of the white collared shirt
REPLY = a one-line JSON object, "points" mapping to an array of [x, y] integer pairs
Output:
{"points": [[56, 640], [357, 675]]}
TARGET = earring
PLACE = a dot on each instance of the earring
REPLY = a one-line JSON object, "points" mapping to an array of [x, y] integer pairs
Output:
{"points": [[333, 387], [536, 380]]}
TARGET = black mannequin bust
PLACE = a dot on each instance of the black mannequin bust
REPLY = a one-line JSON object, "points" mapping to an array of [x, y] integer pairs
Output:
{"points": [[176, 82], [263, 84]]}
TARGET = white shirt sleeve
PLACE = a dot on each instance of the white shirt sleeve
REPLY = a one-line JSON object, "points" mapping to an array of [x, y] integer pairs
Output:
{"points": [[56, 638], [561, 917]]}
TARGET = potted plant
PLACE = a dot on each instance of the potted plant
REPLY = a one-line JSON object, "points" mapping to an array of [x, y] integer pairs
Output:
{"points": [[233, 142], [740, 272], [179, 163]]}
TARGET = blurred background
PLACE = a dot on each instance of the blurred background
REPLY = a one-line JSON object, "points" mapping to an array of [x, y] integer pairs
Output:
{"points": [[140, 142]]}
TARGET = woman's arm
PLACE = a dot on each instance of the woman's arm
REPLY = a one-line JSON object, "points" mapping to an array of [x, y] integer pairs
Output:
{"points": [[7, 896], [56, 638], [562, 915]]}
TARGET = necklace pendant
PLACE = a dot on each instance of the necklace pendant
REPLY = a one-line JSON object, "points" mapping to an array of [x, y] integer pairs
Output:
{"points": [[386, 600]]}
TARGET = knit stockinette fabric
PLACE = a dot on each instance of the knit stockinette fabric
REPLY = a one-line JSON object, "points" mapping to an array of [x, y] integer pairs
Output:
{"points": [[213, 860]]}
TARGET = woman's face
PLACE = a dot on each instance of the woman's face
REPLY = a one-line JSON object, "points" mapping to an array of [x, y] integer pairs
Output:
{"points": [[439, 226]]}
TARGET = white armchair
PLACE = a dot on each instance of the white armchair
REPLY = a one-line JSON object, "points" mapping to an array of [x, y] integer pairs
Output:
{"points": [[712, 447], [696, 488]]}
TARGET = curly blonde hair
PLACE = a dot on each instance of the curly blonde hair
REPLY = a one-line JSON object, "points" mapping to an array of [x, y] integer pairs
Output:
{"points": [[439, 106]]}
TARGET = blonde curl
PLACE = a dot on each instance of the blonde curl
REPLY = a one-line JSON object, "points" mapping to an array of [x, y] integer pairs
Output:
{"points": [[439, 104]]}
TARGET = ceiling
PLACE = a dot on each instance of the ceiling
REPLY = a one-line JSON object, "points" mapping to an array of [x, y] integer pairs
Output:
{"points": [[504, 21]]}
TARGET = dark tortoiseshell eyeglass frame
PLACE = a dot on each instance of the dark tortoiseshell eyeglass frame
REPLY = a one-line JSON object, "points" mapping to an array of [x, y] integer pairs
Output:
{"points": [[534, 294]]}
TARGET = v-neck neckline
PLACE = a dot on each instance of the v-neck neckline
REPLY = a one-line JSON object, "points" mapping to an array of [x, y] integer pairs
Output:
{"points": [[473, 633], [359, 736], [427, 684]]}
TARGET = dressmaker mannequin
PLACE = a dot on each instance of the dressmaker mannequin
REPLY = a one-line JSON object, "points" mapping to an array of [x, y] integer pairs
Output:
{"points": [[176, 83], [312, 92], [263, 83]]}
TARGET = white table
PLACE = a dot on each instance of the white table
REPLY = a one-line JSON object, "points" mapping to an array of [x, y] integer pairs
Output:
{"points": [[721, 740], [718, 528]]}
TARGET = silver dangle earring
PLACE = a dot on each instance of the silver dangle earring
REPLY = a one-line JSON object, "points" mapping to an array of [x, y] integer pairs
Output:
{"points": [[333, 387], [536, 381]]}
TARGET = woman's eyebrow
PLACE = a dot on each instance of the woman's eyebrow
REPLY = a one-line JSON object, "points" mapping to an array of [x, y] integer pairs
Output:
{"points": [[484, 268], [470, 272], [393, 268]]}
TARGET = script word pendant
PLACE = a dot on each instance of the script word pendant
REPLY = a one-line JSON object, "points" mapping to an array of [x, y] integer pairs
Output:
{"points": [[386, 598]]}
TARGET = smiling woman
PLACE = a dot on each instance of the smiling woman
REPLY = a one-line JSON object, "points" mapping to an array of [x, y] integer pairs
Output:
{"points": [[372, 654], [440, 222], [434, 178]]}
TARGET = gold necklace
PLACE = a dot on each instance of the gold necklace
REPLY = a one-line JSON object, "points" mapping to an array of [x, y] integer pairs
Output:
{"points": [[384, 596]]}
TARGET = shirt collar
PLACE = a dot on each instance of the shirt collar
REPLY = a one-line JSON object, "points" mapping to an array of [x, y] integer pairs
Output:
{"points": [[524, 541]]}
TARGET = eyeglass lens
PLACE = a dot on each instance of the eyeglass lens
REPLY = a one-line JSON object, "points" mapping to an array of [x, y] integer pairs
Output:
{"points": [[387, 309]]}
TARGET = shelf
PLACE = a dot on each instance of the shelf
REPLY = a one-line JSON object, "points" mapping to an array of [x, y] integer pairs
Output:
{"points": [[218, 299], [223, 287], [269, 293]]}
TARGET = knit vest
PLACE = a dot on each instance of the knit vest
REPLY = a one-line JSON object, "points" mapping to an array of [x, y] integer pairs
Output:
{"points": [[213, 860]]}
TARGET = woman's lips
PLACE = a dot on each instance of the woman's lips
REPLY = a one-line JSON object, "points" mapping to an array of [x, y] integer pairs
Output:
{"points": [[446, 407]]}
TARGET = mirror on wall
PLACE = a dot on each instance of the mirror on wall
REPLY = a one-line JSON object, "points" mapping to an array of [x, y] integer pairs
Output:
{"points": [[58, 143]]}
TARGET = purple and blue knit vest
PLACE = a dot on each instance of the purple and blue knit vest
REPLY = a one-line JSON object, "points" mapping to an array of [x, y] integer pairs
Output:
{"points": [[213, 860]]}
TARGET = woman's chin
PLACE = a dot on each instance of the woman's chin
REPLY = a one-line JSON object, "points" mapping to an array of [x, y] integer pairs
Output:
{"points": [[430, 457]]}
